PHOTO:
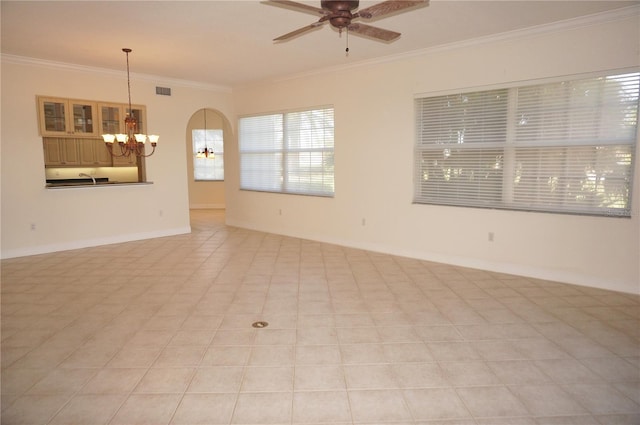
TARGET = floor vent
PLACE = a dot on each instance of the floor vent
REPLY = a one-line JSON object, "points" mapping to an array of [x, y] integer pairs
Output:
{"points": [[163, 91]]}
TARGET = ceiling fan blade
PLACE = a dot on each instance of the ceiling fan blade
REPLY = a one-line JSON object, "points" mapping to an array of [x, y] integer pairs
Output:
{"points": [[299, 31], [298, 6], [373, 32], [389, 6]]}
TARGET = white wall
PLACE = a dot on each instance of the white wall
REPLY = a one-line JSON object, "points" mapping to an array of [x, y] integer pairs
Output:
{"points": [[374, 133], [80, 217]]}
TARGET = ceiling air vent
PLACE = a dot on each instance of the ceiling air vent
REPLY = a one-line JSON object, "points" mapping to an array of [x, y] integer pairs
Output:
{"points": [[163, 91]]}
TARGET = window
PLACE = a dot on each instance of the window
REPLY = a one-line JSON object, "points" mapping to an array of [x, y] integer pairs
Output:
{"points": [[288, 152], [208, 154], [566, 147]]}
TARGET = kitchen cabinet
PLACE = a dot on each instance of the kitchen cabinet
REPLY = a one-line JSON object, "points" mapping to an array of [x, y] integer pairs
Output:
{"points": [[112, 115], [69, 152], [61, 117], [67, 117], [60, 151], [94, 153], [72, 131]]}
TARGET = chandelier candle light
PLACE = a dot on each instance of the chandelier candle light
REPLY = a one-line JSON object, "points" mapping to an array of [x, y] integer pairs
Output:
{"points": [[131, 143]]}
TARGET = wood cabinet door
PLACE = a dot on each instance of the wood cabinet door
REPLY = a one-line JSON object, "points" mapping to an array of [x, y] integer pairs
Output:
{"points": [[60, 151], [112, 115], [84, 118], [94, 153], [60, 117], [139, 113], [52, 152], [102, 154], [111, 118], [70, 152], [52, 116]]}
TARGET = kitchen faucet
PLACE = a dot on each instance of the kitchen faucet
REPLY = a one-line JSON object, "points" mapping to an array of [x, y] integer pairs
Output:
{"points": [[87, 175]]}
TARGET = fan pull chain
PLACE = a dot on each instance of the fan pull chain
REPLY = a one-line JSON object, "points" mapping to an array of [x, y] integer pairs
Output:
{"points": [[346, 51]]}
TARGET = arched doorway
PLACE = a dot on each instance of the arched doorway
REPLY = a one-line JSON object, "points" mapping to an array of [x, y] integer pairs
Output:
{"points": [[208, 131]]}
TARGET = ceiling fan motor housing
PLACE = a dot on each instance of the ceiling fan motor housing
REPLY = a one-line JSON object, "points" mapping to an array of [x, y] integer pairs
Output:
{"points": [[340, 11], [342, 20], [335, 5]]}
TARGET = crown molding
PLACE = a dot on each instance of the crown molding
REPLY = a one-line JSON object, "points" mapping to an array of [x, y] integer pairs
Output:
{"points": [[23, 60], [564, 25]]}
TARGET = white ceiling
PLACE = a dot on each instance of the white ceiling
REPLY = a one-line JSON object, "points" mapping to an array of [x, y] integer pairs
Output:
{"points": [[229, 43]]}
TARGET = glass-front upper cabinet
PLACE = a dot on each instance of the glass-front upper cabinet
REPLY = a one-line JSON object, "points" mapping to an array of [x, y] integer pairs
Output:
{"points": [[138, 112], [112, 117], [67, 117]]}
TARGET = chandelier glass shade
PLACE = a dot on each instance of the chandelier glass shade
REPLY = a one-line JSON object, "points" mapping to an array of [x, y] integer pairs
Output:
{"points": [[131, 142]]}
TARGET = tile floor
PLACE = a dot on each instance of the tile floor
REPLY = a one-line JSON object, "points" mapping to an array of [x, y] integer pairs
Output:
{"points": [[159, 332]]}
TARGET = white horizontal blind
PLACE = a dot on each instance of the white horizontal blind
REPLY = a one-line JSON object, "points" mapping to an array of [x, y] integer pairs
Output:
{"points": [[559, 147], [309, 153], [261, 152], [460, 139], [289, 153]]}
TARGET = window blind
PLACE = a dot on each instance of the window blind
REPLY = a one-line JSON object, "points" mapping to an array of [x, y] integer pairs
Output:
{"points": [[564, 147], [289, 152]]}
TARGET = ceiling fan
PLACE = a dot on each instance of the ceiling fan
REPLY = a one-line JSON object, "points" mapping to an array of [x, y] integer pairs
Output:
{"points": [[341, 13]]}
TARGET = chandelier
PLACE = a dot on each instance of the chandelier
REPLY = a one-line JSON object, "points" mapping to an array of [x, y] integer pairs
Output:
{"points": [[206, 151], [132, 142]]}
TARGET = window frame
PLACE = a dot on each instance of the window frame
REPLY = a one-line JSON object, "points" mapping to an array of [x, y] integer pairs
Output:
{"points": [[510, 149]]}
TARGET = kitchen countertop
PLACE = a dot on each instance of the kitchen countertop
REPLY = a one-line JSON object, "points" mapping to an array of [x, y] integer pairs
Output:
{"points": [[83, 185]]}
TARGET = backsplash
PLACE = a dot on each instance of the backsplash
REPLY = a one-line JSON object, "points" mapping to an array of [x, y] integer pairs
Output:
{"points": [[119, 174]]}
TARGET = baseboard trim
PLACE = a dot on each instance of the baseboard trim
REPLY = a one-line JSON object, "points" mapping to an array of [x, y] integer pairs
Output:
{"points": [[553, 275], [88, 243]]}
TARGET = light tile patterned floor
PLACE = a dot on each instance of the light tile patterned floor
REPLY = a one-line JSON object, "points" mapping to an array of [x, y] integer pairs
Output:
{"points": [[159, 332]]}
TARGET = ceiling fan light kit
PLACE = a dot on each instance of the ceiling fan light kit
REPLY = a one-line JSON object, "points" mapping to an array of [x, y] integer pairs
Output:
{"points": [[341, 14]]}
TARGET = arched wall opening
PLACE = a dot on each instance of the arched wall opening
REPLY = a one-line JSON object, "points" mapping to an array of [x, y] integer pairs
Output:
{"points": [[207, 193]]}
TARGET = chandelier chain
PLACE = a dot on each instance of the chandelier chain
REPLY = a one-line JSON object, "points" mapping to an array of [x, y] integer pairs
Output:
{"points": [[128, 80]]}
